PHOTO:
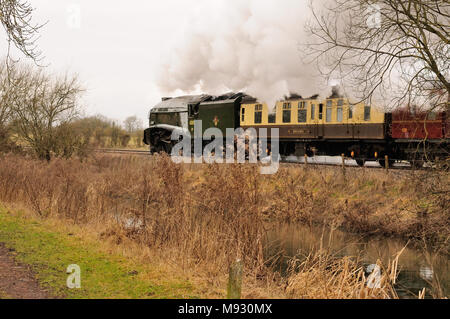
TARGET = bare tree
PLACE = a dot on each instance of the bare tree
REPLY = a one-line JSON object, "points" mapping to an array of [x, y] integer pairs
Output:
{"points": [[7, 88], [16, 19], [396, 50], [132, 124], [115, 134], [42, 105], [5, 110], [134, 127], [70, 141]]}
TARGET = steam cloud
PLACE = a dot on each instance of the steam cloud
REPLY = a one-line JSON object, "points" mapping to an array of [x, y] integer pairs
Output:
{"points": [[252, 46]]}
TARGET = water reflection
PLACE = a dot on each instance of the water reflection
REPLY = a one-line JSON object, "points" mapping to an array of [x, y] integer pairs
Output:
{"points": [[418, 269], [426, 273]]}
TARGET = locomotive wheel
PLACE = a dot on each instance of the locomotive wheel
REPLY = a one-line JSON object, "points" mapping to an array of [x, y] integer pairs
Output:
{"points": [[445, 166], [360, 162], [158, 149], [167, 148], [416, 161], [383, 163], [416, 164], [161, 147]]}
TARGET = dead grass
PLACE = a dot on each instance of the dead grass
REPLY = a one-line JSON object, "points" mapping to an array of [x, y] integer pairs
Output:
{"points": [[323, 274], [200, 219]]}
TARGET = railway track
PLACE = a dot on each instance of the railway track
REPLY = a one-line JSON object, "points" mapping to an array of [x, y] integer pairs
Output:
{"points": [[122, 151], [292, 160]]}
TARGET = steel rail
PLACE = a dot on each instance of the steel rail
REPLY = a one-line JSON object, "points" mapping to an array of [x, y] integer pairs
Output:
{"points": [[283, 160]]}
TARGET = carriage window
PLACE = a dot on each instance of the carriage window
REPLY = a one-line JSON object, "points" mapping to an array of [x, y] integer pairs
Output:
{"points": [[302, 112], [340, 113], [258, 114], [329, 110], [320, 111], [340, 102], [286, 112], [367, 113], [313, 111], [272, 118], [350, 112], [243, 115]]}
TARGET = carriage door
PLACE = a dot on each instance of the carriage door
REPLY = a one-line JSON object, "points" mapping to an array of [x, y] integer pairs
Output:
{"points": [[319, 126]]}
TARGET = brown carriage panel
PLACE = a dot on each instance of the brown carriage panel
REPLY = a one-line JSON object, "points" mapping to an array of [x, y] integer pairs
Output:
{"points": [[289, 131], [339, 131], [318, 130], [370, 131], [258, 127], [299, 131], [327, 131]]}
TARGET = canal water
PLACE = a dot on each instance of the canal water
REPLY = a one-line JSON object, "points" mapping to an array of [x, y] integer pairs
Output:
{"points": [[418, 268]]}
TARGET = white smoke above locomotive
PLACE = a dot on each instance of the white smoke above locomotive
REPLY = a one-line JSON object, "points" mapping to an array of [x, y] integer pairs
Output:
{"points": [[249, 45]]}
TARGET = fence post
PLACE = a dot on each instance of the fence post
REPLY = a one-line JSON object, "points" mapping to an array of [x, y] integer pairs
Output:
{"points": [[386, 163], [306, 160], [235, 281], [343, 163]]}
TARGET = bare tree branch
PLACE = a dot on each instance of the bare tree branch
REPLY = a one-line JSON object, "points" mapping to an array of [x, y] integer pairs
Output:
{"points": [[42, 107], [398, 51], [16, 19]]}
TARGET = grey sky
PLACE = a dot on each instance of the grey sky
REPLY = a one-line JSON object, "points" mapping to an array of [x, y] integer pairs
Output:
{"points": [[118, 48], [115, 48]]}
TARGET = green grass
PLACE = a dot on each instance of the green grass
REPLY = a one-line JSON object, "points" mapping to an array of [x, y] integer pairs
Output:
{"points": [[3, 295], [103, 275]]}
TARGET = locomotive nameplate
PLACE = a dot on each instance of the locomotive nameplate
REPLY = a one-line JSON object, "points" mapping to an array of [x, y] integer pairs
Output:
{"points": [[297, 131]]}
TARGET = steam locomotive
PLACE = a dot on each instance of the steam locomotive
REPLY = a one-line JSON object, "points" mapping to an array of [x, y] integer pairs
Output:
{"points": [[309, 126]]}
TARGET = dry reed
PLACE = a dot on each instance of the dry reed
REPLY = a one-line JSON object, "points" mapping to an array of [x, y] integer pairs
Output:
{"points": [[206, 217]]}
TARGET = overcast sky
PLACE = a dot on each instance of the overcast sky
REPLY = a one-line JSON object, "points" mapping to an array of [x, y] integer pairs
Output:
{"points": [[118, 47], [114, 47]]}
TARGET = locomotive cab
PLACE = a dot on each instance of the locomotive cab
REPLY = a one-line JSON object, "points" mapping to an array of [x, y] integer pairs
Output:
{"points": [[170, 115]]}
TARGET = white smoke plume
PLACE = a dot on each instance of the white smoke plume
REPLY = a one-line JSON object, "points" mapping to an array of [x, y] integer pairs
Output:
{"points": [[243, 45]]}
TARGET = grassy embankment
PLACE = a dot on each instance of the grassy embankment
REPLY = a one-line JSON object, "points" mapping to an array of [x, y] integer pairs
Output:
{"points": [[197, 220], [50, 247]]}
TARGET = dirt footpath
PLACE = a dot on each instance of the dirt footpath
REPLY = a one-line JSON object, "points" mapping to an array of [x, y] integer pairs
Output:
{"points": [[17, 281]]}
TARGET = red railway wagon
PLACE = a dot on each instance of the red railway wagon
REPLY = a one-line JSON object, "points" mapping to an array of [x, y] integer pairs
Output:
{"points": [[419, 126]]}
